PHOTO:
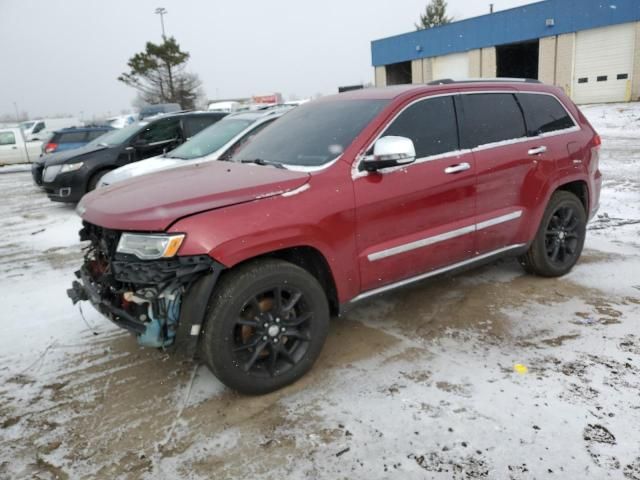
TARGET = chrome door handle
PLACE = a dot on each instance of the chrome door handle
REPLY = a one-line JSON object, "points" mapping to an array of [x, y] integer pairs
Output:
{"points": [[461, 167], [537, 150]]}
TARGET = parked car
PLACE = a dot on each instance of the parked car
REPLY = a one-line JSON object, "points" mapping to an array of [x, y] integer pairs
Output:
{"points": [[44, 128], [217, 142], [121, 121], [63, 140], [69, 175], [341, 199], [159, 109], [70, 138], [15, 149]]}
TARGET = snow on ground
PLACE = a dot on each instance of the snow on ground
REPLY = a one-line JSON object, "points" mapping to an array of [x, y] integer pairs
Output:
{"points": [[419, 383]]}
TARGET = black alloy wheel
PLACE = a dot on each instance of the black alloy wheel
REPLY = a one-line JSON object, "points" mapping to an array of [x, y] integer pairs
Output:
{"points": [[561, 237], [265, 327], [272, 332], [558, 243]]}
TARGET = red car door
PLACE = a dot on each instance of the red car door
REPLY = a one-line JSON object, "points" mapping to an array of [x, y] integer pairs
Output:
{"points": [[493, 126], [419, 217]]}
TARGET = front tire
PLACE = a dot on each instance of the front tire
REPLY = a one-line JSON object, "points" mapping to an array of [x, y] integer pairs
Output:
{"points": [[558, 243], [266, 326], [95, 179]]}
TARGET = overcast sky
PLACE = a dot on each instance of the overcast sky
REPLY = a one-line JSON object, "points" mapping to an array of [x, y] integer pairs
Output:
{"points": [[63, 56]]}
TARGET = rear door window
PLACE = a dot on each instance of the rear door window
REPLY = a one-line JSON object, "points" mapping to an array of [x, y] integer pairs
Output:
{"points": [[490, 118], [430, 124], [544, 114], [7, 138], [161, 131], [195, 124]]}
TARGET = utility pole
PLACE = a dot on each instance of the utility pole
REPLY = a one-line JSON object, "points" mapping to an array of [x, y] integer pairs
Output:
{"points": [[162, 12]]}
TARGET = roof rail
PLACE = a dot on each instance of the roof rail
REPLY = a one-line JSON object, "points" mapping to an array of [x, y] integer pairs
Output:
{"points": [[445, 81]]}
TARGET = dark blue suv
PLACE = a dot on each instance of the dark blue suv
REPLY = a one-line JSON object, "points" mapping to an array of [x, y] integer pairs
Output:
{"points": [[75, 137]]}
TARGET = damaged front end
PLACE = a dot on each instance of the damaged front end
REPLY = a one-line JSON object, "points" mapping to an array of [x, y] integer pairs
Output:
{"points": [[151, 298]]}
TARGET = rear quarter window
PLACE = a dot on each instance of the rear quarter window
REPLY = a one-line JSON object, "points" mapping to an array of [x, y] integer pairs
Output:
{"points": [[95, 134], [490, 118], [72, 137], [544, 113]]}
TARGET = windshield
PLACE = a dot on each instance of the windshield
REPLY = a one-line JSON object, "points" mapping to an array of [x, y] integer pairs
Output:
{"points": [[210, 139], [313, 134], [26, 125], [115, 137]]}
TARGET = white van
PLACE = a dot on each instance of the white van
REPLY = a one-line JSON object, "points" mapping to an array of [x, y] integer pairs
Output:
{"points": [[43, 128], [224, 107]]}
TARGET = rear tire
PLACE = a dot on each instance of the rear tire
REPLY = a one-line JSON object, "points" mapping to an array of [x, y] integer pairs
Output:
{"points": [[558, 243], [265, 327]]}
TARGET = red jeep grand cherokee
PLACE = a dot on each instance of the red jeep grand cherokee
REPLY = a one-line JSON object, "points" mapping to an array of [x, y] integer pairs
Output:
{"points": [[340, 199]]}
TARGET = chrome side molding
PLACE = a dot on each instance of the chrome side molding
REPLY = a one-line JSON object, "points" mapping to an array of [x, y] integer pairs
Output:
{"points": [[424, 242], [433, 273]]}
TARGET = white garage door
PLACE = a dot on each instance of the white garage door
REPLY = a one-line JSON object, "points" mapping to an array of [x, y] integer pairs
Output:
{"points": [[454, 66], [604, 64]]}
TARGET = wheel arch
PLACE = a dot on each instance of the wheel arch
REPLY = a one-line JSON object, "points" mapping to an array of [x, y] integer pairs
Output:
{"points": [[313, 261], [96, 171], [580, 189]]}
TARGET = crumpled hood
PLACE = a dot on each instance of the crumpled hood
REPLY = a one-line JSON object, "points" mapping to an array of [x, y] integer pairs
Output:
{"points": [[66, 155], [153, 202]]}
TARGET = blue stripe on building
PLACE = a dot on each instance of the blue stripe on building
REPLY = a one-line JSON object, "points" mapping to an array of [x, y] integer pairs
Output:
{"points": [[508, 26]]}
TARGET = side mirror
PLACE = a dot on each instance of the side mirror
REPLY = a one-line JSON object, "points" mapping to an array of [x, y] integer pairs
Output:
{"points": [[389, 152]]}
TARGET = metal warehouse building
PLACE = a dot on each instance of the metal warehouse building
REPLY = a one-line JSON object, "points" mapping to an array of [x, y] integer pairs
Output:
{"points": [[590, 48]]}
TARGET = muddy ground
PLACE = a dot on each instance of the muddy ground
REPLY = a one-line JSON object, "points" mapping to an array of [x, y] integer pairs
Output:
{"points": [[489, 374]]}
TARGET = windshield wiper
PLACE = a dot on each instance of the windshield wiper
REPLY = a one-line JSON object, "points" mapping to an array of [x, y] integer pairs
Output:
{"points": [[259, 161]]}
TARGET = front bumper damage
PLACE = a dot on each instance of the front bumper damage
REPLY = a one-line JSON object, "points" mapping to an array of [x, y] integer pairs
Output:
{"points": [[157, 300]]}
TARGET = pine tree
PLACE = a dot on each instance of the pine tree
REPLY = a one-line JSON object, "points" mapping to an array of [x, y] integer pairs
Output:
{"points": [[158, 73], [434, 15]]}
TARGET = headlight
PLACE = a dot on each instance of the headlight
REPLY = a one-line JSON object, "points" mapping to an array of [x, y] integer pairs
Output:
{"points": [[150, 247], [71, 167]]}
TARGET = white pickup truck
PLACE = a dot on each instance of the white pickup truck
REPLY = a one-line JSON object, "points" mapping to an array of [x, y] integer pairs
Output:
{"points": [[15, 149]]}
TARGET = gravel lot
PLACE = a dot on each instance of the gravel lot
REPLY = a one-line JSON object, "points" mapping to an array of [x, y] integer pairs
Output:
{"points": [[491, 374]]}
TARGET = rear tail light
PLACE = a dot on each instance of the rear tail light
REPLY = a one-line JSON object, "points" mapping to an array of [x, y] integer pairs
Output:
{"points": [[51, 147], [597, 141]]}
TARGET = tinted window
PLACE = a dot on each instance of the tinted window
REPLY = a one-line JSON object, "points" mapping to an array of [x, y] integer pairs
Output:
{"points": [[313, 134], [489, 118], [431, 124], [161, 131], [7, 138], [210, 139], [92, 135], [544, 113], [38, 128], [71, 137], [193, 125], [246, 139]]}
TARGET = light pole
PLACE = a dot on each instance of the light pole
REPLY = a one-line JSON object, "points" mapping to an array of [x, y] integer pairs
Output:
{"points": [[15, 106], [162, 12]]}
